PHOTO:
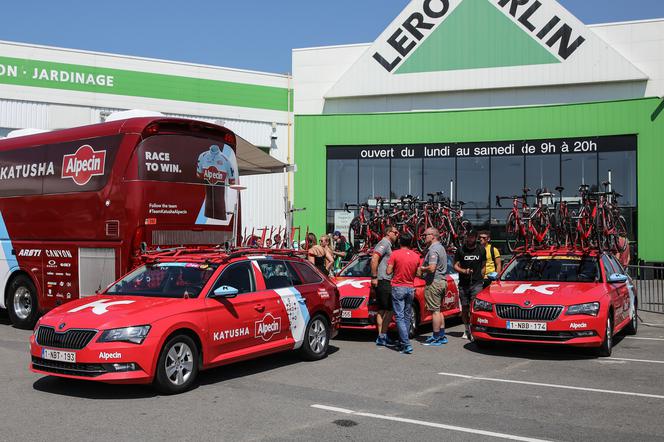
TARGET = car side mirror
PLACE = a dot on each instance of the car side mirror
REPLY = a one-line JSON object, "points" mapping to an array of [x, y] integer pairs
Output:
{"points": [[225, 291], [617, 278], [493, 276]]}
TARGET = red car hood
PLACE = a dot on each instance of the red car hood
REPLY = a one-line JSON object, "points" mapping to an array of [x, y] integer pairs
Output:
{"points": [[359, 286], [542, 292], [355, 286], [105, 312]]}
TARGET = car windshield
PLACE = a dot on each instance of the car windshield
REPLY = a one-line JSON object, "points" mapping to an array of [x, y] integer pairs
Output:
{"points": [[361, 267], [552, 268], [164, 280]]}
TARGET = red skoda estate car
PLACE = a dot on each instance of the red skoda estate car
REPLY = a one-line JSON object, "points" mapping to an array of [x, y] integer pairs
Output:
{"points": [[358, 302], [564, 297], [185, 311]]}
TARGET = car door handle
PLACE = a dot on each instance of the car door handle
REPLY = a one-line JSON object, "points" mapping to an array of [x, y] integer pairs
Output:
{"points": [[259, 307]]}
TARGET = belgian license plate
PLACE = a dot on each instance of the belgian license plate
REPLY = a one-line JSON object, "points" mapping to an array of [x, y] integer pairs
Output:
{"points": [[346, 313], [57, 355], [533, 326]]}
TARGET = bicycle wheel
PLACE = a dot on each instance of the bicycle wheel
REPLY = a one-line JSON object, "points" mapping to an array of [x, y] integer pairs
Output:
{"points": [[420, 228], [621, 231], [514, 238], [355, 234], [543, 225]]}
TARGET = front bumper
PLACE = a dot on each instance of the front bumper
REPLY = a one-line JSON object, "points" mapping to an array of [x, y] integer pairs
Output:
{"points": [[104, 362], [578, 330]]}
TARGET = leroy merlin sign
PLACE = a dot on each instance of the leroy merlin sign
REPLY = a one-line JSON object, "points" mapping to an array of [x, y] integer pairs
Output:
{"points": [[541, 22]]}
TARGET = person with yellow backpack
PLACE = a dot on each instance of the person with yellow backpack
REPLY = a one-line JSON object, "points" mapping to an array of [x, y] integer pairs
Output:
{"points": [[493, 261]]}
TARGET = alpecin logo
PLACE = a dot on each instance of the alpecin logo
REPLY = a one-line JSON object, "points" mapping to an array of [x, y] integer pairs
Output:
{"points": [[267, 327], [84, 164], [214, 176]]}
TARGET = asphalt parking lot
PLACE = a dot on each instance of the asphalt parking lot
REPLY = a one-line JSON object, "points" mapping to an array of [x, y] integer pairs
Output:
{"points": [[361, 392]]}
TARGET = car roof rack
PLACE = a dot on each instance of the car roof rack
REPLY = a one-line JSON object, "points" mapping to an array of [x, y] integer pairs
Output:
{"points": [[212, 254]]}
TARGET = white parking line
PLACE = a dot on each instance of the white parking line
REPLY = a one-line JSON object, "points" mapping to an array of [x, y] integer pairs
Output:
{"points": [[427, 424], [635, 360], [566, 387], [644, 339]]}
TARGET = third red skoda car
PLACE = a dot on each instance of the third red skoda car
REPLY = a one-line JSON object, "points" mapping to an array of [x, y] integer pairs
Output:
{"points": [[563, 296], [185, 311], [358, 305]]}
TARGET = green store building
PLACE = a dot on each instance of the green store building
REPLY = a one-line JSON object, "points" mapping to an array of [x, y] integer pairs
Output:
{"points": [[481, 98]]}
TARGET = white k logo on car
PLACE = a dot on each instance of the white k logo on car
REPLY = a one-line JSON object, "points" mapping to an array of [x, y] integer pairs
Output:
{"points": [[99, 307], [546, 289], [358, 284]]}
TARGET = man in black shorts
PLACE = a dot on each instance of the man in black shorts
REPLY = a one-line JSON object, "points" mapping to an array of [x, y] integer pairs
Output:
{"points": [[380, 281], [469, 261]]}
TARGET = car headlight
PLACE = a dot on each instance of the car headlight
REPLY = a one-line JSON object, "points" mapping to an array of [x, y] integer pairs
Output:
{"points": [[135, 335], [591, 308], [482, 306]]}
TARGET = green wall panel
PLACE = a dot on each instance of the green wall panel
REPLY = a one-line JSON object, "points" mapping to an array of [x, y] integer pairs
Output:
{"points": [[45, 74], [314, 133]]}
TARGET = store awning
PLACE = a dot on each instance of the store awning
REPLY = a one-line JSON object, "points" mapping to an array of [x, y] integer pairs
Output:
{"points": [[253, 161]]}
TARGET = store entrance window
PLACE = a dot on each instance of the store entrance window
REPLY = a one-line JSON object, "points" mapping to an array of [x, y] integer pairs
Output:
{"points": [[374, 179], [473, 182], [578, 169], [438, 172], [506, 178], [406, 178], [341, 183]]}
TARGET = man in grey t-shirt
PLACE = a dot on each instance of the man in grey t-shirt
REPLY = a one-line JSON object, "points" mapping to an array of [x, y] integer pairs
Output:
{"points": [[380, 280], [434, 273]]}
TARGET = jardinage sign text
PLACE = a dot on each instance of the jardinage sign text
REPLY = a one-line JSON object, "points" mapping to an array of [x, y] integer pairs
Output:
{"points": [[536, 17]]}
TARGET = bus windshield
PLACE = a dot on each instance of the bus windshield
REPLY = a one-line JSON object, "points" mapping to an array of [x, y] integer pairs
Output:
{"points": [[552, 268], [165, 280]]}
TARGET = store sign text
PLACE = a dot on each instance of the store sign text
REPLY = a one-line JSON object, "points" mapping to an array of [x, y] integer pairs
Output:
{"points": [[487, 149]]}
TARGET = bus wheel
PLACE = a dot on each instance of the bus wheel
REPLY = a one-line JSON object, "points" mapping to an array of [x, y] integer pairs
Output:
{"points": [[22, 303]]}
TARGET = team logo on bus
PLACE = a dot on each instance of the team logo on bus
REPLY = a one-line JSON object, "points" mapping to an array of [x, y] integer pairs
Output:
{"points": [[84, 164], [214, 176]]}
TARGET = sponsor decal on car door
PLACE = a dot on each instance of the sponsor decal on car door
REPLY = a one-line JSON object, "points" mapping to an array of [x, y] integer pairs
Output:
{"points": [[297, 312]]}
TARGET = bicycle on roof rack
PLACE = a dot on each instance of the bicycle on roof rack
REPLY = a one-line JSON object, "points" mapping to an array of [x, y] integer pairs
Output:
{"points": [[526, 226]]}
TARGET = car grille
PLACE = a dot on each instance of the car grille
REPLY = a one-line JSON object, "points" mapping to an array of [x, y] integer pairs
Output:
{"points": [[71, 339], [68, 368], [351, 302], [357, 322], [539, 313], [531, 335]]}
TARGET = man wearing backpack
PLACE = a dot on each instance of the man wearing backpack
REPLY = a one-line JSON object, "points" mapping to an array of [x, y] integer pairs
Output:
{"points": [[493, 261]]}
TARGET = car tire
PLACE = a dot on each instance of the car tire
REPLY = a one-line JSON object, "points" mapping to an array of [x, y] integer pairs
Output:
{"points": [[177, 366], [633, 327], [316, 339], [414, 325], [605, 349], [22, 303]]}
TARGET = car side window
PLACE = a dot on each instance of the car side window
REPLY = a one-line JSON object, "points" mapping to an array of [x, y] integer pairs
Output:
{"points": [[618, 268], [307, 274], [275, 274], [238, 275], [608, 268]]}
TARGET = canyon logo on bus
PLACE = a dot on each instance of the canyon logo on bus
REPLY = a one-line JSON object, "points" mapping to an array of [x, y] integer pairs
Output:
{"points": [[84, 164]]}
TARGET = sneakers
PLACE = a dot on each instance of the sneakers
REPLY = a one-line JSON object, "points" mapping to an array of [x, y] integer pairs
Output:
{"points": [[406, 350], [435, 341], [464, 336], [384, 341]]}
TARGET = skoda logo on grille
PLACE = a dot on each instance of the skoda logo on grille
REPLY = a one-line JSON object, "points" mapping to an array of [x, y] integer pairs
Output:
{"points": [[526, 303], [61, 326]]}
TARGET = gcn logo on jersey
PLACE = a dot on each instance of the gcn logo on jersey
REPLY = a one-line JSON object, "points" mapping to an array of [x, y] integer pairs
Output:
{"points": [[84, 164], [214, 176], [267, 327]]}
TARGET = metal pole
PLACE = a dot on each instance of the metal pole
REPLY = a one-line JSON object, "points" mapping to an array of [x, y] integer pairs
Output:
{"points": [[451, 191]]}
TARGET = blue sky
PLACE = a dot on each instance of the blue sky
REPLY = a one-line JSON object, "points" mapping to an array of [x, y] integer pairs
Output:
{"points": [[256, 35]]}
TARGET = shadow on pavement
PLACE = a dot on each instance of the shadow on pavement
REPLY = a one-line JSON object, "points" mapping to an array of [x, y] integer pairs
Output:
{"points": [[91, 389], [542, 352], [99, 390]]}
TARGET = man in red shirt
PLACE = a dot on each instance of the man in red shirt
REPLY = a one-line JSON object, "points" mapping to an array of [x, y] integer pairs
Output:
{"points": [[402, 265]]}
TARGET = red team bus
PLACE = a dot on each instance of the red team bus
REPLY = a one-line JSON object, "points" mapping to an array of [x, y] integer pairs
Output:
{"points": [[77, 206]]}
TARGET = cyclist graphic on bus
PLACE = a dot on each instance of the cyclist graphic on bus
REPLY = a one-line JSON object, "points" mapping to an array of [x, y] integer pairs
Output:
{"points": [[218, 169]]}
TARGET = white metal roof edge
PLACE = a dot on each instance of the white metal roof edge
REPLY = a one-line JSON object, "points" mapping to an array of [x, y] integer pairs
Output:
{"points": [[134, 57], [627, 22]]}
